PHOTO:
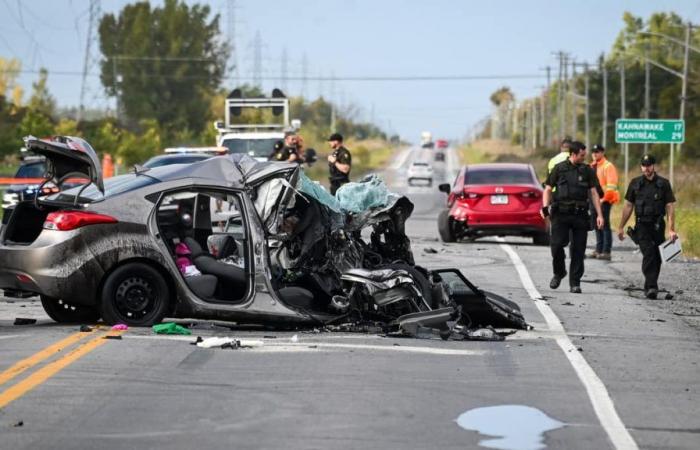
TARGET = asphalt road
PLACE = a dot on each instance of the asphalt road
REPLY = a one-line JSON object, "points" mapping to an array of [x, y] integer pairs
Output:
{"points": [[618, 371]]}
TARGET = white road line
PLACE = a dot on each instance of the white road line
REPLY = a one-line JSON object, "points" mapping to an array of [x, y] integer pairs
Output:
{"points": [[9, 336], [597, 392], [279, 345]]}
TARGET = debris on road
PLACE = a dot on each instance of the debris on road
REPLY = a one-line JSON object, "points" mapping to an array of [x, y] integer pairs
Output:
{"points": [[120, 327], [170, 328], [19, 424], [116, 337], [430, 250], [294, 338], [85, 328], [24, 321], [227, 342]]}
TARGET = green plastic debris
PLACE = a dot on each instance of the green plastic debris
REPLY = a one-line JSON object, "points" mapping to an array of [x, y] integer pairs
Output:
{"points": [[170, 328]]}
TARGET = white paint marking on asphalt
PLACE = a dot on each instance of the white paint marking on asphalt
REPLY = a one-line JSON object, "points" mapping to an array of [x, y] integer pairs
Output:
{"points": [[597, 392], [9, 336], [280, 345], [401, 160]]}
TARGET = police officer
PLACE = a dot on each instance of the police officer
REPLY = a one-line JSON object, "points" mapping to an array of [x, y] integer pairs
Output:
{"points": [[339, 163], [652, 199], [574, 181]]}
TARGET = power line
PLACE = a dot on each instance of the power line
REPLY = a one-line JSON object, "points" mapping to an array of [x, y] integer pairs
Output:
{"points": [[334, 78]]}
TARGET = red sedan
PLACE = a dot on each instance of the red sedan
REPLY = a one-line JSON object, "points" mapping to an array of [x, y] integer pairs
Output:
{"points": [[495, 199]]}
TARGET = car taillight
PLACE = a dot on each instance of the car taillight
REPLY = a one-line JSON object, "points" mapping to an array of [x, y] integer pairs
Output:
{"points": [[49, 190], [70, 220]]}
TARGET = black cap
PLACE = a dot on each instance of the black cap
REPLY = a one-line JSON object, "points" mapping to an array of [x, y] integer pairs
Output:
{"points": [[336, 137], [598, 148], [648, 160]]}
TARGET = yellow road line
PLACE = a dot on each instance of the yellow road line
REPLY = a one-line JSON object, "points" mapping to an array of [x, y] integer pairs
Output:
{"points": [[14, 392], [38, 357]]}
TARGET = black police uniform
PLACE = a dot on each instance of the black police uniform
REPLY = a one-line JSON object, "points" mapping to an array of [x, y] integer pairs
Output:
{"points": [[650, 198], [338, 178], [569, 216]]}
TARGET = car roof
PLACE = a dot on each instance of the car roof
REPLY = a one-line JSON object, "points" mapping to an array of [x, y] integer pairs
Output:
{"points": [[497, 166], [234, 169]]}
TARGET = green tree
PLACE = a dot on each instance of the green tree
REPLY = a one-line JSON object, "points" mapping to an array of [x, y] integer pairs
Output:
{"points": [[36, 124], [41, 100], [163, 63]]}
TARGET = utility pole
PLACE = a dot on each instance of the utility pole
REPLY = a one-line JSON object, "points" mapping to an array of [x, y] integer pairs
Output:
{"points": [[622, 116], [646, 91], [574, 101], [684, 91], [565, 87], [546, 114], [533, 112], [543, 121], [560, 95], [604, 69], [587, 123], [94, 13]]}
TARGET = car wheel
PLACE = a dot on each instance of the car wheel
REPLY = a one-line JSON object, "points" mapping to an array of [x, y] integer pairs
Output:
{"points": [[135, 294], [541, 239], [445, 227], [63, 312]]}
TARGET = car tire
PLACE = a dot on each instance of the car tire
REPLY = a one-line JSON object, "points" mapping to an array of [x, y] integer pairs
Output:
{"points": [[445, 226], [541, 239], [135, 294], [62, 312]]}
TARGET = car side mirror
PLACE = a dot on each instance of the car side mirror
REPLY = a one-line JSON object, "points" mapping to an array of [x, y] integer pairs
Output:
{"points": [[310, 156], [445, 187]]}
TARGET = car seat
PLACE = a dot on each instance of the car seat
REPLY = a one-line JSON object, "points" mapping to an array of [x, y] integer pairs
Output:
{"points": [[231, 279]]}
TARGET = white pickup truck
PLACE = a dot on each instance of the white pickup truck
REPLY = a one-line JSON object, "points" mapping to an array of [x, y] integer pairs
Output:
{"points": [[253, 125]]}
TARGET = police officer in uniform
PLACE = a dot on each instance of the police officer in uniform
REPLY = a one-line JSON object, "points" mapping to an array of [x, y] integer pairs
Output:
{"points": [[575, 183], [652, 199], [339, 163]]}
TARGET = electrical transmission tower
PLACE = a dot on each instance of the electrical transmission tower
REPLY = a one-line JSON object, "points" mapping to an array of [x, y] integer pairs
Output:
{"points": [[283, 71], [257, 60], [89, 58], [304, 74], [231, 37]]}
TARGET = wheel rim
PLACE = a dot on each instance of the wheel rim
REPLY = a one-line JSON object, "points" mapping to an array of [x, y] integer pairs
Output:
{"points": [[136, 298]]}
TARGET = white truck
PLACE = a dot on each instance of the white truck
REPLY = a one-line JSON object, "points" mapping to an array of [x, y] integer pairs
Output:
{"points": [[426, 139], [253, 125]]}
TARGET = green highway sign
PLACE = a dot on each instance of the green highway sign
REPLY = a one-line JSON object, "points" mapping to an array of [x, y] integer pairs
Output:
{"points": [[649, 131]]}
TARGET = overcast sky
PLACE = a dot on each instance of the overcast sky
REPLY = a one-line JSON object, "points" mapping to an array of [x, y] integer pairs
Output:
{"points": [[361, 38]]}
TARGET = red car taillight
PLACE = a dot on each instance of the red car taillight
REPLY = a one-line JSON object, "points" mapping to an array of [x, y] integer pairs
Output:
{"points": [[70, 220], [530, 194]]}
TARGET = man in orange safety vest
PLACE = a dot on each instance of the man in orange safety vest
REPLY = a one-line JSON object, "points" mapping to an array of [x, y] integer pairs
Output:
{"points": [[607, 176]]}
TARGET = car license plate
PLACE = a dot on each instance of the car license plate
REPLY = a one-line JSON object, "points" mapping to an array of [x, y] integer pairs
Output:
{"points": [[499, 199]]}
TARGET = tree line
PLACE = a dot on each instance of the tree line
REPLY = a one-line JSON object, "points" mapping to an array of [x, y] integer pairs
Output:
{"points": [[166, 67]]}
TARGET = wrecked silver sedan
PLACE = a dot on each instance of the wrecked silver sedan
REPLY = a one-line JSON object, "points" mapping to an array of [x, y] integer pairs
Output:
{"points": [[227, 238]]}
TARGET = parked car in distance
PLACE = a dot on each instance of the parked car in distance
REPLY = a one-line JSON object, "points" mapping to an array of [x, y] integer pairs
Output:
{"points": [[28, 177], [496, 199], [420, 170]]}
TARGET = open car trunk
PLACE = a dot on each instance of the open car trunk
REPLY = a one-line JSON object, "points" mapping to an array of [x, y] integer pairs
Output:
{"points": [[67, 158]]}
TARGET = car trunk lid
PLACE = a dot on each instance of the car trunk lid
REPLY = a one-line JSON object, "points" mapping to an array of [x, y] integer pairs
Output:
{"points": [[507, 198], [67, 157]]}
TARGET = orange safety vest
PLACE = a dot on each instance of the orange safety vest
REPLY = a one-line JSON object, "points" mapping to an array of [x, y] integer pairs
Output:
{"points": [[607, 177]]}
